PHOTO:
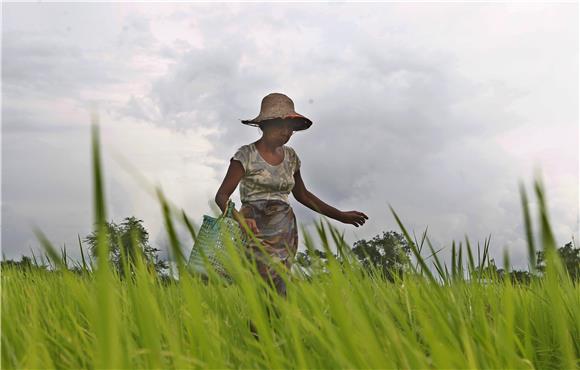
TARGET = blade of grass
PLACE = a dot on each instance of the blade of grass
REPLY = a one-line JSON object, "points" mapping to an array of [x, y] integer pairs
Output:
{"points": [[414, 248], [82, 253], [528, 228]]}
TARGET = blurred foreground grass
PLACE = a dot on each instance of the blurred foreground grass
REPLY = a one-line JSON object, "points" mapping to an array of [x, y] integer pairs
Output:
{"points": [[343, 317]]}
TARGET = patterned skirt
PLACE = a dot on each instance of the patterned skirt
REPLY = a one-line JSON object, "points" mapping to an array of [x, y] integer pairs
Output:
{"points": [[278, 235]]}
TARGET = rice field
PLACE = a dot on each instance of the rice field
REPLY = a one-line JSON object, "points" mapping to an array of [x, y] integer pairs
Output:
{"points": [[438, 315]]}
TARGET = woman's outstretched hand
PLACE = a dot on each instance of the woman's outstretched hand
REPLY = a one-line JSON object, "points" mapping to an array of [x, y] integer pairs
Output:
{"points": [[355, 218]]}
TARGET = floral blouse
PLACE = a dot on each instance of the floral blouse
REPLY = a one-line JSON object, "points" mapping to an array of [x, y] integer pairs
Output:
{"points": [[263, 181]]}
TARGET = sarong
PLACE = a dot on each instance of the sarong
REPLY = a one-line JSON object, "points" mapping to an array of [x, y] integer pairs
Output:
{"points": [[278, 235]]}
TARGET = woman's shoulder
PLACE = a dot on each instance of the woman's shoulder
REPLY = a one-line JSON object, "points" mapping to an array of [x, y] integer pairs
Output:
{"points": [[291, 150], [246, 148]]}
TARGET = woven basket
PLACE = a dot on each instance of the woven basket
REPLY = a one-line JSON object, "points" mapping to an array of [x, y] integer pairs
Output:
{"points": [[210, 242]]}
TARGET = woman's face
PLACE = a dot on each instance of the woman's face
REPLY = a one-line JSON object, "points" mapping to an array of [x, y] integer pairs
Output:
{"points": [[280, 130]]}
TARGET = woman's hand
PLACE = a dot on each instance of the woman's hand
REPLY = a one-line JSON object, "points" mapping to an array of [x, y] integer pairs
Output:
{"points": [[355, 218], [251, 225]]}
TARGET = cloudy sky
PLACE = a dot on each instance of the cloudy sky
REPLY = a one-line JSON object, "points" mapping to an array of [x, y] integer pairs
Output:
{"points": [[438, 109]]}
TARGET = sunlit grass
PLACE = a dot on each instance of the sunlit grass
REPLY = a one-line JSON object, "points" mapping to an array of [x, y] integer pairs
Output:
{"points": [[440, 314]]}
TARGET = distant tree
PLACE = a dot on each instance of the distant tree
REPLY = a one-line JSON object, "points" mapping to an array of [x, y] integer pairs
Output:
{"points": [[521, 276], [516, 276], [312, 260], [488, 270], [302, 259], [570, 256], [388, 252], [25, 263], [305, 258], [121, 237]]}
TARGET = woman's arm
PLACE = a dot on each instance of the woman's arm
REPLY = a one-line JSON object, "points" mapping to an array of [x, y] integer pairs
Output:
{"points": [[311, 201], [231, 180]]}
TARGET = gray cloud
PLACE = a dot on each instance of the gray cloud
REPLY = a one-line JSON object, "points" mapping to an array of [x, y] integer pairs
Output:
{"points": [[417, 106]]}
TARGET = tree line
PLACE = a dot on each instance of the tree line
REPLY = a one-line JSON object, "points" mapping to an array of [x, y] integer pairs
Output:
{"points": [[387, 254]]}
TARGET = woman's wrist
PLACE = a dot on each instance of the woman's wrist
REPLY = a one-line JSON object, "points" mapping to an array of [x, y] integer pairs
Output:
{"points": [[339, 216], [324, 209]]}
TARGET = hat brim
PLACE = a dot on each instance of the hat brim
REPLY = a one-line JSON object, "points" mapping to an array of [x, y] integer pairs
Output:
{"points": [[304, 123]]}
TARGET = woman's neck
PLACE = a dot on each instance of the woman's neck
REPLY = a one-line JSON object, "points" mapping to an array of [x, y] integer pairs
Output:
{"points": [[268, 146]]}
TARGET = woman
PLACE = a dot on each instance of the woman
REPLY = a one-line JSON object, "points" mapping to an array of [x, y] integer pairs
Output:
{"points": [[267, 171]]}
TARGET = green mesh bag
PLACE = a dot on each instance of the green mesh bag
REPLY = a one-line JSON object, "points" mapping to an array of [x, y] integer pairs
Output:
{"points": [[209, 242]]}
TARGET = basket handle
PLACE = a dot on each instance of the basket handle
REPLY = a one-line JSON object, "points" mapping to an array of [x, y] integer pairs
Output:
{"points": [[229, 209]]}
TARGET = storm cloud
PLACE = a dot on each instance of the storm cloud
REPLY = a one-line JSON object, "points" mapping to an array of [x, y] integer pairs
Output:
{"points": [[438, 110]]}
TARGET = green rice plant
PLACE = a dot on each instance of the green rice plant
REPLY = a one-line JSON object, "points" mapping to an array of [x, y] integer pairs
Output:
{"points": [[437, 314]]}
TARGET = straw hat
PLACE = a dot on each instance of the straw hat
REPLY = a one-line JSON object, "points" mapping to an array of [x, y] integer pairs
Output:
{"points": [[276, 105]]}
